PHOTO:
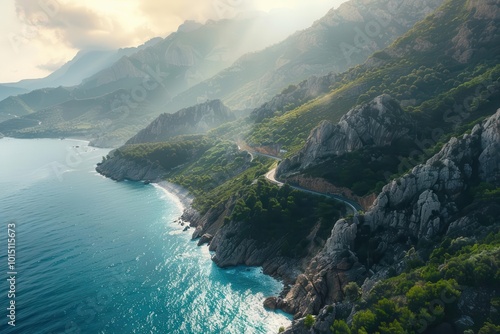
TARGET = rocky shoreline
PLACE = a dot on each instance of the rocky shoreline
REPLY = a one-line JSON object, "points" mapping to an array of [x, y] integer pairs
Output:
{"points": [[233, 249]]}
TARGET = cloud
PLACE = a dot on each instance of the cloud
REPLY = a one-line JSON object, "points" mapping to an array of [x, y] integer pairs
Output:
{"points": [[77, 26], [52, 65], [164, 13], [112, 23], [38, 31], [172, 13]]}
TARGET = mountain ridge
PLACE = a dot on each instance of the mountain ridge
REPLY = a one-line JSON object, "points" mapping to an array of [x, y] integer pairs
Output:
{"points": [[315, 46], [318, 57], [194, 120]]}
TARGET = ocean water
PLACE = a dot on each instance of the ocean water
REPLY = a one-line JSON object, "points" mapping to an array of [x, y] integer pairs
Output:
{"points": [[97, 256]]}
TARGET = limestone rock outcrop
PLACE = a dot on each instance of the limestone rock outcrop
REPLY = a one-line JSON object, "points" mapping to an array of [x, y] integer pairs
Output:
{"points": [[327, 274], [423, 205], [377, 123]]}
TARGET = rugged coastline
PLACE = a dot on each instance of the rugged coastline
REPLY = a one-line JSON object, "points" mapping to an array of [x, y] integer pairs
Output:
{"points": [[230, 246], [417, 208]]}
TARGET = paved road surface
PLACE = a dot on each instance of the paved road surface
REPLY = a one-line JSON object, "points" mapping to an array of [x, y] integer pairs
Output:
{"points": [[355, 207], [271, 177]]}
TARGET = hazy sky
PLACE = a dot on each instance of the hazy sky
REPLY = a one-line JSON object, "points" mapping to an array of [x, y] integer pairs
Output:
{"points": [[38, 36]]}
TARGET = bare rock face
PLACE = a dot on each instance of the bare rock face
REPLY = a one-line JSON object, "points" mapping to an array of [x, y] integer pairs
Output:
{"points": [[489, 9], [377, 123], [197, 119], [421, 205], [489, 160], [122, 69], [205, 239], [233, 249], [327, 274]]}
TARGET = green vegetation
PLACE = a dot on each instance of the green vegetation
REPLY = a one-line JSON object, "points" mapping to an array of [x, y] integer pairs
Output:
{"points": [[364, 171], [309, 321], [489, 328], [221, 174], [167, 155], [428, 82], [367, 170], [340, 327], [291, 129], [273, 213], [352, 291], [486, 191], [228, 187], [218, 164], [427, 296]]}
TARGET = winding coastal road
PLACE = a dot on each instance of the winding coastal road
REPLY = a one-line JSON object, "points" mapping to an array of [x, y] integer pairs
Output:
{"points": [[271, 177], [355, 207]]}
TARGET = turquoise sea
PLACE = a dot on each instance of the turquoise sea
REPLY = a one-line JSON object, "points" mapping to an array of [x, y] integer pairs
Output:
{"points": [[97, 256]]}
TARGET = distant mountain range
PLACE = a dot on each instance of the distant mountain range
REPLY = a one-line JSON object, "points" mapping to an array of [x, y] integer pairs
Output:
{"points": [[194, 65], [343, 38], [83, 65]]}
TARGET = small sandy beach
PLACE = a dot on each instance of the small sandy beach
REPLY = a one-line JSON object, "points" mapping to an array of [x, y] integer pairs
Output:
{"points": [[179, 194]]}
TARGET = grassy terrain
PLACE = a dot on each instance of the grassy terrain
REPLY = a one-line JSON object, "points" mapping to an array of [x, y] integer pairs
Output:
{"points": [[218, 164]]}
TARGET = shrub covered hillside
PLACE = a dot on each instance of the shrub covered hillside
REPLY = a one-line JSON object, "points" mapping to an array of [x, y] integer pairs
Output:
{"points": [[425, 296], [273, 213], [440, 63]]}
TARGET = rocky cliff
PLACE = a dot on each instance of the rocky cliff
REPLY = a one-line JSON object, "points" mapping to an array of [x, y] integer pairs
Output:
{"points": [[421, 203], [119, 169], [233, 248], [422, 206], [197, 119], [378, 123]]}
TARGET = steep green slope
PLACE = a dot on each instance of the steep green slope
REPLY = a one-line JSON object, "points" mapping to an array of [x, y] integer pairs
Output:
{"points": [[428, 69], [343, 38], [426, 296]]}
